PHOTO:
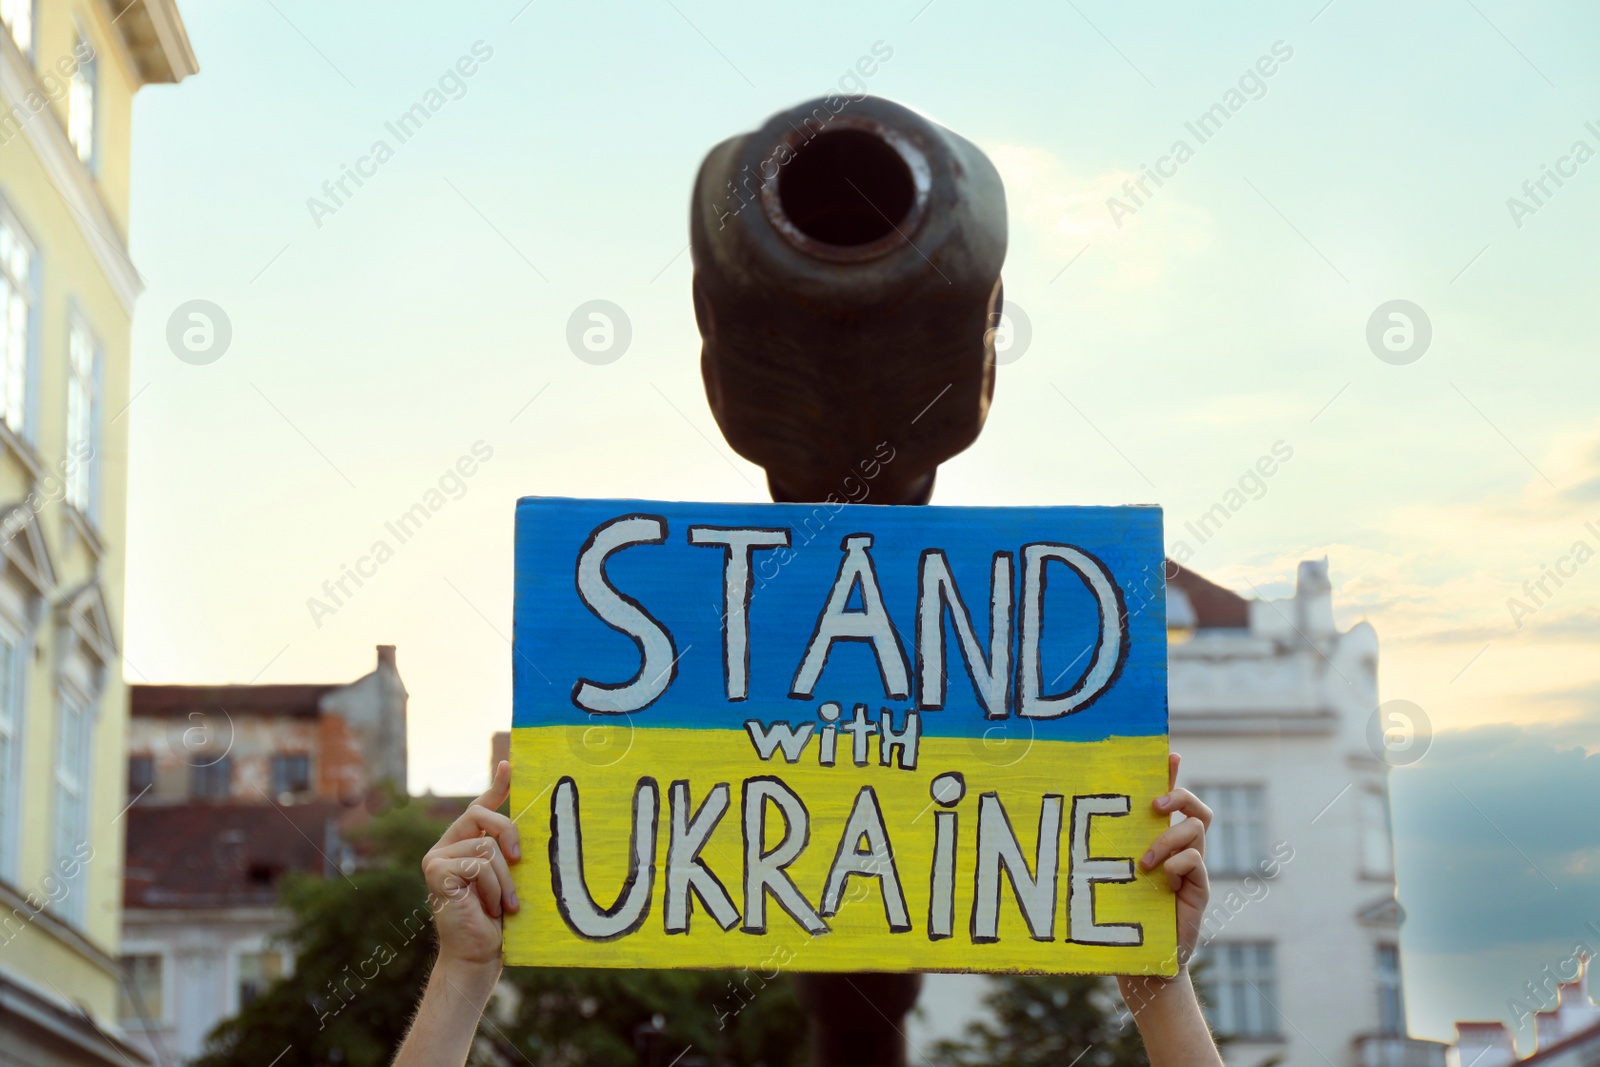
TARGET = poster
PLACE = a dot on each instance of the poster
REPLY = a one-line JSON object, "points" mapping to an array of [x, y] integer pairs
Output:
{"points": [[839, 737]]}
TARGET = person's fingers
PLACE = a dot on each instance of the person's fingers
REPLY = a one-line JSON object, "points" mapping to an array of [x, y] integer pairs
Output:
{"points": [[441, 865], [1188, 834], [480, 849], [482, 818], [502, 872], [499, 788], [452, 877], [478, 821], [443, 875], [1187, 866], [1185, 803], [480, 875], [484, 850], [1173, 759]]}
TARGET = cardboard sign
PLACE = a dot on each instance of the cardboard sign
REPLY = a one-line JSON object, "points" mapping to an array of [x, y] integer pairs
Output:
{"points": [[839, 737]]}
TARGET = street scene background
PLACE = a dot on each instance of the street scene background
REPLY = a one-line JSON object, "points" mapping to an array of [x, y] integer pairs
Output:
{"points": [[1166, 336]]}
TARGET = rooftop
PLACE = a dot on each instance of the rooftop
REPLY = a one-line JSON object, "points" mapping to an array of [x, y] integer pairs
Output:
{"points": [[1215, 607], [224, 855]]}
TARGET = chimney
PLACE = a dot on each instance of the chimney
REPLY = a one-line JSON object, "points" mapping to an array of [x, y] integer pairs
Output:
{"points": [[1313, 599], [392, 721], [499, 749]]}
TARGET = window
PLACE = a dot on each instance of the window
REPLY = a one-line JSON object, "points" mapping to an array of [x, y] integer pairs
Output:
{"points": [[1391, 996], [1237, 841], [1377, 856], [72, 800], [83, 420], [290, 774], [16, 321], [141, 775], [211, 781], [257, 970], [81, 103], [10, 750], [18, 18], [1241, 988], [140, 1001]]}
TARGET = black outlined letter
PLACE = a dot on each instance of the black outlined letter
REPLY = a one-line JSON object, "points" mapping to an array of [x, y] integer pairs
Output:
{"points": [[739, 546], [1111, 644], [866, 824], [586, 918], [686, 871], [998, 850], [991, 674], [870, 624], [763, 867], [768, 739], [947, 790], [658, 657], [1089, 871]]}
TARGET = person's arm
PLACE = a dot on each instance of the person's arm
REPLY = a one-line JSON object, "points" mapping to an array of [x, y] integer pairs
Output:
{"points": [[469, 889], [1167, 1010]]}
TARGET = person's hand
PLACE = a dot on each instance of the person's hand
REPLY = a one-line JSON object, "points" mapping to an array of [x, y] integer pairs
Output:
{"points": [[1180, 853], [469, 880], [469, 890], [1166, 1010]]}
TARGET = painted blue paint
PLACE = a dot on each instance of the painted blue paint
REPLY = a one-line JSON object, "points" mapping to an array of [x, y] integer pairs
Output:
{"points": [[558, 639]]}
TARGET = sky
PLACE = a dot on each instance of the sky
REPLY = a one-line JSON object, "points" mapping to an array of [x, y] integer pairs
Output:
{"points": [[378, 338]]}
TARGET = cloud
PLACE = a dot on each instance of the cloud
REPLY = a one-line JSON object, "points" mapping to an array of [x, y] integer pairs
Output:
{"points": [[1048, 200], [1581, 625], [1445, 572], [1583, 488], [1498, 853], [1057, 211], [1586, 696], [1585, 492]]}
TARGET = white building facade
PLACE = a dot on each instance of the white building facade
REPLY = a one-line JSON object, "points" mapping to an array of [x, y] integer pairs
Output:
{"points": [[1270, 705], [1276, 720]]}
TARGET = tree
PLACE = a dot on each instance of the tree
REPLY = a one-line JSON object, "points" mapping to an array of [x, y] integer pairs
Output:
{"points": [[1047, 1021], [593, 1018], [363, 944]]}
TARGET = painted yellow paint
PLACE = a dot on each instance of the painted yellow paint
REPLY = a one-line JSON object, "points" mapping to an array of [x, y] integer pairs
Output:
{"points": [[859, 938]]}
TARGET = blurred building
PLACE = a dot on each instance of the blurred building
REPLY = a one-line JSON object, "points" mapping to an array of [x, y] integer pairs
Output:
{"points": [[230, 788], [68, 72], [1270, 705], [499, 749], [1568, 1035]]}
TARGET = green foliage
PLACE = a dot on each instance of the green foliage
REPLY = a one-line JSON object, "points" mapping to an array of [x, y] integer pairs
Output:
{"points": [[1048, 1021], [363, 946], [591, 1017]]}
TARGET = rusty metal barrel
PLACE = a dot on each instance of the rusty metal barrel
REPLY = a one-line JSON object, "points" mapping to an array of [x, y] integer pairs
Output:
{"points": [[846, 275]]}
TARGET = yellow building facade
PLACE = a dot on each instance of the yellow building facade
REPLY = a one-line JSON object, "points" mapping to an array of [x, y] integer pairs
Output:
{"points": [[68, 73]]}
